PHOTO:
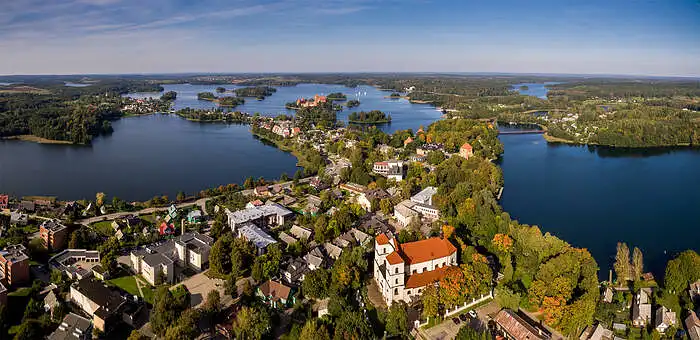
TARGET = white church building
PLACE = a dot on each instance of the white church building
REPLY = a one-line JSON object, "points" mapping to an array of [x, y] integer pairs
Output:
{"points": [[402, 271]]}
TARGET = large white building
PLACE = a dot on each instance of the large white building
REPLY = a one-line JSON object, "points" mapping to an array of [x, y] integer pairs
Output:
{"points": [[402, 271], [269, 214], [390, 169], [421, 204], [157, 264]]}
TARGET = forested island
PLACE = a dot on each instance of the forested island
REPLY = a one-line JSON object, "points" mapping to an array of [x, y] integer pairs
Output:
{"points": [[336, 96], [169, 96], [371, 117], [228, 101], [259, 92], [352, 103], [218, 115], [322, 115]]}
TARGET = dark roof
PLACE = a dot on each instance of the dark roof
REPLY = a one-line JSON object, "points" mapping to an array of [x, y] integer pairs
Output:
{"points": [[108, 299], [71, 327], [517, 327]]}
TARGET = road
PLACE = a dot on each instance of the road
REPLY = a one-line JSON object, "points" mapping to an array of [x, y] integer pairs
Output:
{"points": [[202, 202]]}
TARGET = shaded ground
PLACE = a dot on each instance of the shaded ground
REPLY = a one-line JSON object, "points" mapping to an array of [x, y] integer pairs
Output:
{"points": [[199, 285]]}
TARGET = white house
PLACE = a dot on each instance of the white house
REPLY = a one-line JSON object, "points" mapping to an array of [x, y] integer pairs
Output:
{"points": [[402, 271], [665, 318]]}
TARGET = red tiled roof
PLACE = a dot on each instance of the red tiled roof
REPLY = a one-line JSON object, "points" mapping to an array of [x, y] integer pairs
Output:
{"points": [[394, 258], [256, 203], [426, 250], [425, 278], [466, 146], [382, 239], [275, 290]]}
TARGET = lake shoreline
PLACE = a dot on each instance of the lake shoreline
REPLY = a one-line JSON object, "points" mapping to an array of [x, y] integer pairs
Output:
{"points": [[38, 140]]}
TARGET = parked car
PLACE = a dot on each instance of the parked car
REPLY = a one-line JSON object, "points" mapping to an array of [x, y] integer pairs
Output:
{"points": [[455, 320], [472, 313]]}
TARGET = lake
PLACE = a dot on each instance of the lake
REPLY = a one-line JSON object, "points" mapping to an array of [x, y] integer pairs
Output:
{"points": [[145, 156], [534, 89], [593, 197], [404, 114]]}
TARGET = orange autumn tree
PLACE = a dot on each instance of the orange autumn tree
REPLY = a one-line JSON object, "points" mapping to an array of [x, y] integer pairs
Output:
{"points": [[502, 242], [452, 287], [447, 231]]}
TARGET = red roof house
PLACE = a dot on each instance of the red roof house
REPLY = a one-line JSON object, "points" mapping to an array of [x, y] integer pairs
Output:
{"points": [[166, 229]]}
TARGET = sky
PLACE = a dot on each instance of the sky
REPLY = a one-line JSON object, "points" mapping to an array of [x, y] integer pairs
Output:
{"points": [[637, 37]]}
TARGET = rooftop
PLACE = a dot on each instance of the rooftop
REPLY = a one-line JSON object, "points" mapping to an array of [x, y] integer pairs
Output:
{"points": [[108, 300], [275, 290], [15, 253], [53, 225], [426, 250], [517, 327], [73, 326], [425, 196], [256, 235], [424, 278]]}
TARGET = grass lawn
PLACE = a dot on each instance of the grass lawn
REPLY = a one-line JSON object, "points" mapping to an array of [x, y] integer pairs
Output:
{"points": [[21, 292], [128, 284], [104, 228]]}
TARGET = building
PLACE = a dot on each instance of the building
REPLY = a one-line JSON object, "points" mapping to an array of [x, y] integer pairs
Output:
{"points": [[390, 169], [466, 151], [404, 213], [195, 216], [261, 191], [51, 302], [257, 236], [694, 291], [262, 216], [4, 201], [73, 327], [408, 140], [3, 295], [19, 218], [664, 319], [641, 308], [14, 265], [692, 323], [295, 271], [424, 149], [300, 232], [515, 327], [75, 263], [366, 198], [166, 229], [355, 189], [403, 270], [597, 333], [53, 234], [420, 205], [157, 263], [425, 196], [276, 294], [106, 306]]}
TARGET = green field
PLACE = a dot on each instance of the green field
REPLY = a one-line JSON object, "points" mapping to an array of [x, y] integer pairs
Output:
{"points": [[128, 284], [104, 228]]}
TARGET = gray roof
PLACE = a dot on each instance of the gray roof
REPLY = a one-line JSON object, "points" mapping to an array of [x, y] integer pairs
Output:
{"points": [[255, 235], [254, 213], [425, 196], [195, 241], [286, 238], [157, 259], [73, 326], [53, 225], [300, 232], [332, 250], [15, 253], [50, 300], [404, 208]]}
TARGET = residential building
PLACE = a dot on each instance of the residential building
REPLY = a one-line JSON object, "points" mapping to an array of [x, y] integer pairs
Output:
{"points": [[332, 250], [355, 189], [317, 184], [156, 268], [315, 259], [106, 306], [261, 191], [14, 265], [4, 201], [53, 234], [75, 263], [27, 206], [408, 140], [641, 308], [692, 324], [664, 319], [133, 222], [597, 333], [300, 232], [3, 295], [404, 213], [403, 270], [424, 149], [321, 307], [51, 302], [193, 250], [73, 327], [166, 229], [257, 236], [366, 198], [276, 294], [262, 216], [19, 218], [515, 327], [195, 216], [607, 295], [390, 169], [157, 263], [295, 271], [466, 151], [425, 196]]}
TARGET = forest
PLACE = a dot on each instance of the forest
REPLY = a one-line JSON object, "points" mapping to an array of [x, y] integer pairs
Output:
{"points": [[371, 117], [336, 96], [321, 116], [259, 92], [230, 101]]}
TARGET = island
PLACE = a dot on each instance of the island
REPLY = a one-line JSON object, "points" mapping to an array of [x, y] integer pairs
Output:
{"points": [[259, 92], [336, 96], [228, 101], [208, 96], [523, 88], [220, 89], [352, 103], [169, 96], [371, 117]]}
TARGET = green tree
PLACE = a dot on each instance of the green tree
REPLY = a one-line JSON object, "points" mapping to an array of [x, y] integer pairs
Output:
{"points": [[220, 255], [352, 325], [186, 327], [166, 310], [252, 323], [180, 196], [397, 320], [637, 264], [136, 335], [314, 330], [386, 206], [316, 284], [469, 333], [431, 301], [622, 263], [249, 183], [213, 302], [435, 157], [681, 271]]}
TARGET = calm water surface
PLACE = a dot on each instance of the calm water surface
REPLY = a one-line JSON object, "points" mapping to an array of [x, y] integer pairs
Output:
{"points": [[534, 89], [595, 197]]}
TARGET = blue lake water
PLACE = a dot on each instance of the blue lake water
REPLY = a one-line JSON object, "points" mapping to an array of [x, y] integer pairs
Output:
{"points": [[534, 89], [404, 114], [595, 197]]}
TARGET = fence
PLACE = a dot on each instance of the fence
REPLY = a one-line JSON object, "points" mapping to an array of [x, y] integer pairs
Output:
{"points": [[420, 323]]}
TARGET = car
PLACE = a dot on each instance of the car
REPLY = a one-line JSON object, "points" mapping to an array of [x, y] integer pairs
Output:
{"points": [[455, 320], [463, 317], [472, 313]]}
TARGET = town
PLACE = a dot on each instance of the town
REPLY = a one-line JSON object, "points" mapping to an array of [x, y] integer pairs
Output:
{"points": [[379, 236]]}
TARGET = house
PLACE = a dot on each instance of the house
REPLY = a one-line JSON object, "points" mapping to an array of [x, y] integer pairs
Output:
{"points": [[261, 191], [166, 229], [425, 196], [466, 151], [99, 272], [692, 324], [157, 263], [424, 149], [317, 184], [408, 140], [14, 265], [173, 213], [315, 258], [19, 218], [607, 295], [404, 213], [355, 189], [403, 270], [73, 327], [313, 205], [27, 206], [195, 216], [257, 236], [360, 237], [156, 268], [287, 239], [53, 234], [107, 307], [332, 250], [515, 327], [597, 333], [664, 319], [76, 264], [295, 271], [51, 302], [300, 233], [193, 250], [641, 308], [366, 199], [276, 294], [420, 205], [262, 216], [390, 169], [118, 225], [694, 291], [321, 307], [253, 204], [4, 201]]}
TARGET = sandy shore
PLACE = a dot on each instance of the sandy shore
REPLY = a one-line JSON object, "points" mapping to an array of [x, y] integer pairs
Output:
{"points": [[35, 139]]}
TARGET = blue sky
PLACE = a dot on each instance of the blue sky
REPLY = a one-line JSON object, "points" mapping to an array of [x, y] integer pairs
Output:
{"points": [[645, 37]]}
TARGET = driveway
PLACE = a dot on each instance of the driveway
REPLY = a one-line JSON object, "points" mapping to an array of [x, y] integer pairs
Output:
{"points": [[448, 329], [199, 285]]}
